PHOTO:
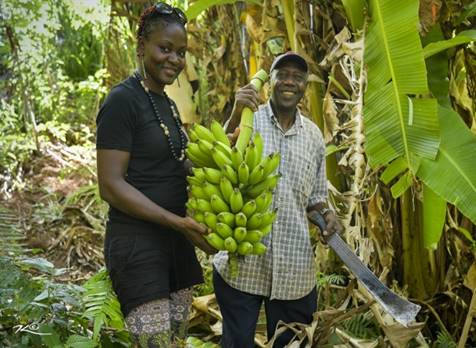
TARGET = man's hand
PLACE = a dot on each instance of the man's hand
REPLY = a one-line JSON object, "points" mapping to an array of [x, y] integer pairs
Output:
{"points": [[246, 96], [332, 225]]}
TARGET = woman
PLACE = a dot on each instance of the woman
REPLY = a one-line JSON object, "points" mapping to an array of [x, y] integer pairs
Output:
{"points": [[141, 174]]}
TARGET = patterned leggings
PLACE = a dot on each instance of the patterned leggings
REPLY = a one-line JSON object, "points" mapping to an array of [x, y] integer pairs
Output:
{"points": [[161, 323]]}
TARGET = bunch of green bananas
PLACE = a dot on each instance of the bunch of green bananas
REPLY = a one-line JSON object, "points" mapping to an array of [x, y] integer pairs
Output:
{"points": [[231, 191]]}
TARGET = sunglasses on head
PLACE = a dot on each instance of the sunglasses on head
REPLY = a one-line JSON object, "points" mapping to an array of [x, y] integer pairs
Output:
{"points": [[165, 9]]}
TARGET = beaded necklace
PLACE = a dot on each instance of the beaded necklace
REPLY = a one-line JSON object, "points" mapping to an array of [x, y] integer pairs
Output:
{"points": [[176, 118]]}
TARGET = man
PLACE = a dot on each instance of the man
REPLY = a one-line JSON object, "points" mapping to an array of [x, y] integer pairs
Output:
{"points": [[285, 277]]}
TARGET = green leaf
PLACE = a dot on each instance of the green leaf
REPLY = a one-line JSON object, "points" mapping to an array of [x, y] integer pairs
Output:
{"points": [[402, 185], [202, 5], [77, 341], [437, 69], [452, 175], [397, 124], [434, 213], [49, 336], [462, 38], [354, 10], [395, 168]]}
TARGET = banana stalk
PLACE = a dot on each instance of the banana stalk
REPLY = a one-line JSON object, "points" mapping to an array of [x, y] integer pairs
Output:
{"points": [[246, 123]]}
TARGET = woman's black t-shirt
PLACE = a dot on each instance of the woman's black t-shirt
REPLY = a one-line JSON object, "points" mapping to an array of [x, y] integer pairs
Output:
{"points": [[127, 122]]}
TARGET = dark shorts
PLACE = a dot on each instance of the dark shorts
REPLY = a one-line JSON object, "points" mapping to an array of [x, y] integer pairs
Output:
{"points": [[148, 263]]}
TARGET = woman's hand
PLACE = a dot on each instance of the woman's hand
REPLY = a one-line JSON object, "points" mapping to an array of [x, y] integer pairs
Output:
{"points": [[195, 233]]}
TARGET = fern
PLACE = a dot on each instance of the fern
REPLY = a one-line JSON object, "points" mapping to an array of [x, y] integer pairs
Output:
{"points": [[11, 237], [361, 326], [334, 279], [444, 340], [102, 306]]}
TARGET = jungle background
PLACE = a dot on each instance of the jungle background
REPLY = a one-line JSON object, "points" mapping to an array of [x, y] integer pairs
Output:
{"points": [[392, 87]]}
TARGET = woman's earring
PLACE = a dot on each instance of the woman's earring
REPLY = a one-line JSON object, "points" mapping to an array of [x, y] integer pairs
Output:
{"points": [[178, 81], [144, 74]]}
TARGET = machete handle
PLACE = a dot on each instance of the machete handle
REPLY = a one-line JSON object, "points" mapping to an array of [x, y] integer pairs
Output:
{"points": [[317, 220]]}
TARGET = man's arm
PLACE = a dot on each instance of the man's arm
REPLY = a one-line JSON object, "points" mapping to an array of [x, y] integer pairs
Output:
{"points": [[318, 200]]}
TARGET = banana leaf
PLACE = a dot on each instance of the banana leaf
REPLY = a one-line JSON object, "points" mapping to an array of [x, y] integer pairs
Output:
{"points": [[399, 122], [452, 175], [462, 38], [433, 217], [202, 5], [437, 69]]}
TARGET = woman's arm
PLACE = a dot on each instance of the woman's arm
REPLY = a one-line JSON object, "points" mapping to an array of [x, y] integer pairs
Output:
{"points": [[114, 189]]}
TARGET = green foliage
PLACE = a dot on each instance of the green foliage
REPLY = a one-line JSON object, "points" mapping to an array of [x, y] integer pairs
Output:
{"points": [[362, 326], [37, 311], [52, 78], [444, 340], [335, 279], [102, 306]]}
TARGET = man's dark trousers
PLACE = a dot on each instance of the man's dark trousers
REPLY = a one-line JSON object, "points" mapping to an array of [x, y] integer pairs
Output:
{"points": [[240, 312]]}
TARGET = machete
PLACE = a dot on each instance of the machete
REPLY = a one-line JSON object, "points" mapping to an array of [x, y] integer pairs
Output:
{"points": [[400, 309]]}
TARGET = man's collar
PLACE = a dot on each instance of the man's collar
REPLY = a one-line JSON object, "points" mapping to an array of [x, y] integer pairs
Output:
{"points": [[274, 120]]}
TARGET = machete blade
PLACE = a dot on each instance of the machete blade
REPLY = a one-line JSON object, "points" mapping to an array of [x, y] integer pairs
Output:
{"points": [[402, 310]]}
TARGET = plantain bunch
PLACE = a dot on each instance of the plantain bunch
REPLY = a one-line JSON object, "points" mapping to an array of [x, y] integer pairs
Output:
{"points": [[231, 190]]}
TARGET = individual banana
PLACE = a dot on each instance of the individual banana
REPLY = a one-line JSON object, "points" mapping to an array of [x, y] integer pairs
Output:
{"points": [[253, 236], [256, 175], [218, 205], [199, 173], [226, 188], [219, 133], [265, 230], [250, 156], [194, 153], [205, 147], [210, 219], [245, 248], [236, 157], [215, 241], [223, 230], [193, 180], [203, 205], [268, 184], [195, 160], [230, 245], [243, 173], [268, 217], [240, 220], [263, 201], [223, 148], [203, 133], [270, 163], [212, 175], [211, 190], [259, 248], [220, 158], [254, 221], [227, 218], [249, 208], [236, 201], [197, 192], [231, 174], [192, 135], [239, 234], [258, 141], [198, 216]]}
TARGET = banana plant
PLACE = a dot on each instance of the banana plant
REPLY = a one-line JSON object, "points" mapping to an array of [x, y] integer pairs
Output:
{"points": [[401, 122]]}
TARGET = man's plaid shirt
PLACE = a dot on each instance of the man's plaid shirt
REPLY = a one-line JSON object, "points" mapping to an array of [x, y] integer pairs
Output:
{"points": [[287, 270]]}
